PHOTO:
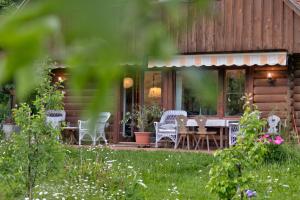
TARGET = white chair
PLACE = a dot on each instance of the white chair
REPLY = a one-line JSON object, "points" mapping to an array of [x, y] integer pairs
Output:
{"points": [[55, 117], [99, 130], [234, 129], [274, 124], [166, 127]]}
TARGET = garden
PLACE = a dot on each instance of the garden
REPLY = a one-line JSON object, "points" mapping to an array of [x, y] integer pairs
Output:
{"points": [[34, 164], [99, 173], [38, 36]]}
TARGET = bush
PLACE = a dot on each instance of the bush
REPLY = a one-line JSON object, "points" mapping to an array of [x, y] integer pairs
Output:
{"points": [[282, 153]]}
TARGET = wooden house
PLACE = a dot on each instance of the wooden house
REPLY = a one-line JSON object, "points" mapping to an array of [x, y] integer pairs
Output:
{"points": [[250, 46]]}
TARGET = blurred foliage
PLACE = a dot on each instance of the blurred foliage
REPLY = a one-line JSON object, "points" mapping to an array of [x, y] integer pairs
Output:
{"points": [[49, 94], [6, 5], [203, 88], [92, 38]]}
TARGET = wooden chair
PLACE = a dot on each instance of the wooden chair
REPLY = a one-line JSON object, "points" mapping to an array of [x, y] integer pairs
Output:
{"points": [[274, 125], [203, 134], [183, 132]]}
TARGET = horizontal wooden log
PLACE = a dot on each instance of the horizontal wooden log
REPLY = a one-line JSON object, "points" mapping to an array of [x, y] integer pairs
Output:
{"points": [[271, 106], [296, 90], [270, 98], [297, 114], [265, 82], [74, 106], [281, 115], [297, 81], [297, 73], [297, 122], [271, 68], [297, 106], [296, 97], [73, 113], [270, 90], [76, 99], [275, 74]]}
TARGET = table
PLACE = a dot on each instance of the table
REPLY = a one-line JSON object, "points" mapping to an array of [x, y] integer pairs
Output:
{"points": [[216, 123], [70, 132]]}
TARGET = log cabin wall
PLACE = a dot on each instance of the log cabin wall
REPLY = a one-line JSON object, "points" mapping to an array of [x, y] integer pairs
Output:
{"points": [[271, 96], [296, 90], [75, 105], [240, 25]]}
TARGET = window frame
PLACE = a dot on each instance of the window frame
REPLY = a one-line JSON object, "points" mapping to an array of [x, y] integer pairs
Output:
{"points": [[218, 90], [225, 89]]}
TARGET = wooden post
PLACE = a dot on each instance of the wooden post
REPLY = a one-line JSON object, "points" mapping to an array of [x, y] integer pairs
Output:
{"points": [[221, 99], [117, 117], [250, 82]]}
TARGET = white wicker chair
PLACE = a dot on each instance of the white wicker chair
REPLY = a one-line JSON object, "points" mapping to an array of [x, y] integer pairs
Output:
{"points": [[55, 117], [234, 129], [167, 128], [274, 124], [98, 132]]}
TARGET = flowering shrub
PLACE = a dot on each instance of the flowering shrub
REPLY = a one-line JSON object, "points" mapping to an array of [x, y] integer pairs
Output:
{"points": [[271, 139]]}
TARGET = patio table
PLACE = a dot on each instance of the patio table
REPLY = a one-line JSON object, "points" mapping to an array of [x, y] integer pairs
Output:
{"points": [[215, 123]]}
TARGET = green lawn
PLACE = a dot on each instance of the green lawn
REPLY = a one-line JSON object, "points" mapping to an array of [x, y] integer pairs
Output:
{"points": [[105, 174], [175, 175]]}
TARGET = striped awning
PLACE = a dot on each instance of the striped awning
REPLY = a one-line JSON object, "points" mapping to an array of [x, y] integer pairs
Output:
{"points": [[228, 59]]}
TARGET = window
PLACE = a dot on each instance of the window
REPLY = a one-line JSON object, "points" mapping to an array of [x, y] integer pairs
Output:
{"points": [[197, 91], [234, 90], [152, 87]]}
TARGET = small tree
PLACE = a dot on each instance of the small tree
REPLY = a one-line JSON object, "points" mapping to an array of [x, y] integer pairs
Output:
{"points": [[230, 174], [35, 152]]}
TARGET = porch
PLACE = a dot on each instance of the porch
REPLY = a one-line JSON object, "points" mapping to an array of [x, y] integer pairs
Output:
{"points": [[273, 82]]}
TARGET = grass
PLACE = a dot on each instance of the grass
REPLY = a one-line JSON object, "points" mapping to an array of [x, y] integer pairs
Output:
{"points": [[183, 174], [160, 175], [178, 175]]}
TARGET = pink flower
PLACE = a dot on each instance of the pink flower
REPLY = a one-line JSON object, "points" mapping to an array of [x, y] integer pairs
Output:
{"points": [[278, 140]]}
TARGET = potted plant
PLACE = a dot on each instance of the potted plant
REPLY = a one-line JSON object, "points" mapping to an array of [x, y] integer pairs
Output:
{"points": [[6, 99], [143, 117]]}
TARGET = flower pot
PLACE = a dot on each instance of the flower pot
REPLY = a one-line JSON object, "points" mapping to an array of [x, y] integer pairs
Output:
{"points": [[8, 129], [142, 138]]}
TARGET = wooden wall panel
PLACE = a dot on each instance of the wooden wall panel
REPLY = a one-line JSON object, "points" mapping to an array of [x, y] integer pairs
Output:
{"points": [[219, 27], [271, 97], [247, 28], [267, 24], [297, 33], [241, 25], [257, 24], [278, 24], [228, 12], [238, 24]]}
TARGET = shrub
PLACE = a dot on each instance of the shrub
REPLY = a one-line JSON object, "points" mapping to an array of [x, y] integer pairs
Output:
{"points": [[230, 174], [282, 153]]}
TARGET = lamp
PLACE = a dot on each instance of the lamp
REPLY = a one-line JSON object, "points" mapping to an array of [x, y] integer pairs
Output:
{"points": [[127, 82], [60, 79], [154, 92], [271, 80]]}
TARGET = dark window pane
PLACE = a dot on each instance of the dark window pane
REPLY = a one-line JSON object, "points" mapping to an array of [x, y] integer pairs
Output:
{"points": [[235, 89], [197, 91]]}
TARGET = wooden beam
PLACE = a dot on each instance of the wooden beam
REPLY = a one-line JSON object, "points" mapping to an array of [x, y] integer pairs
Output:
{"points": [[221, 88]]}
